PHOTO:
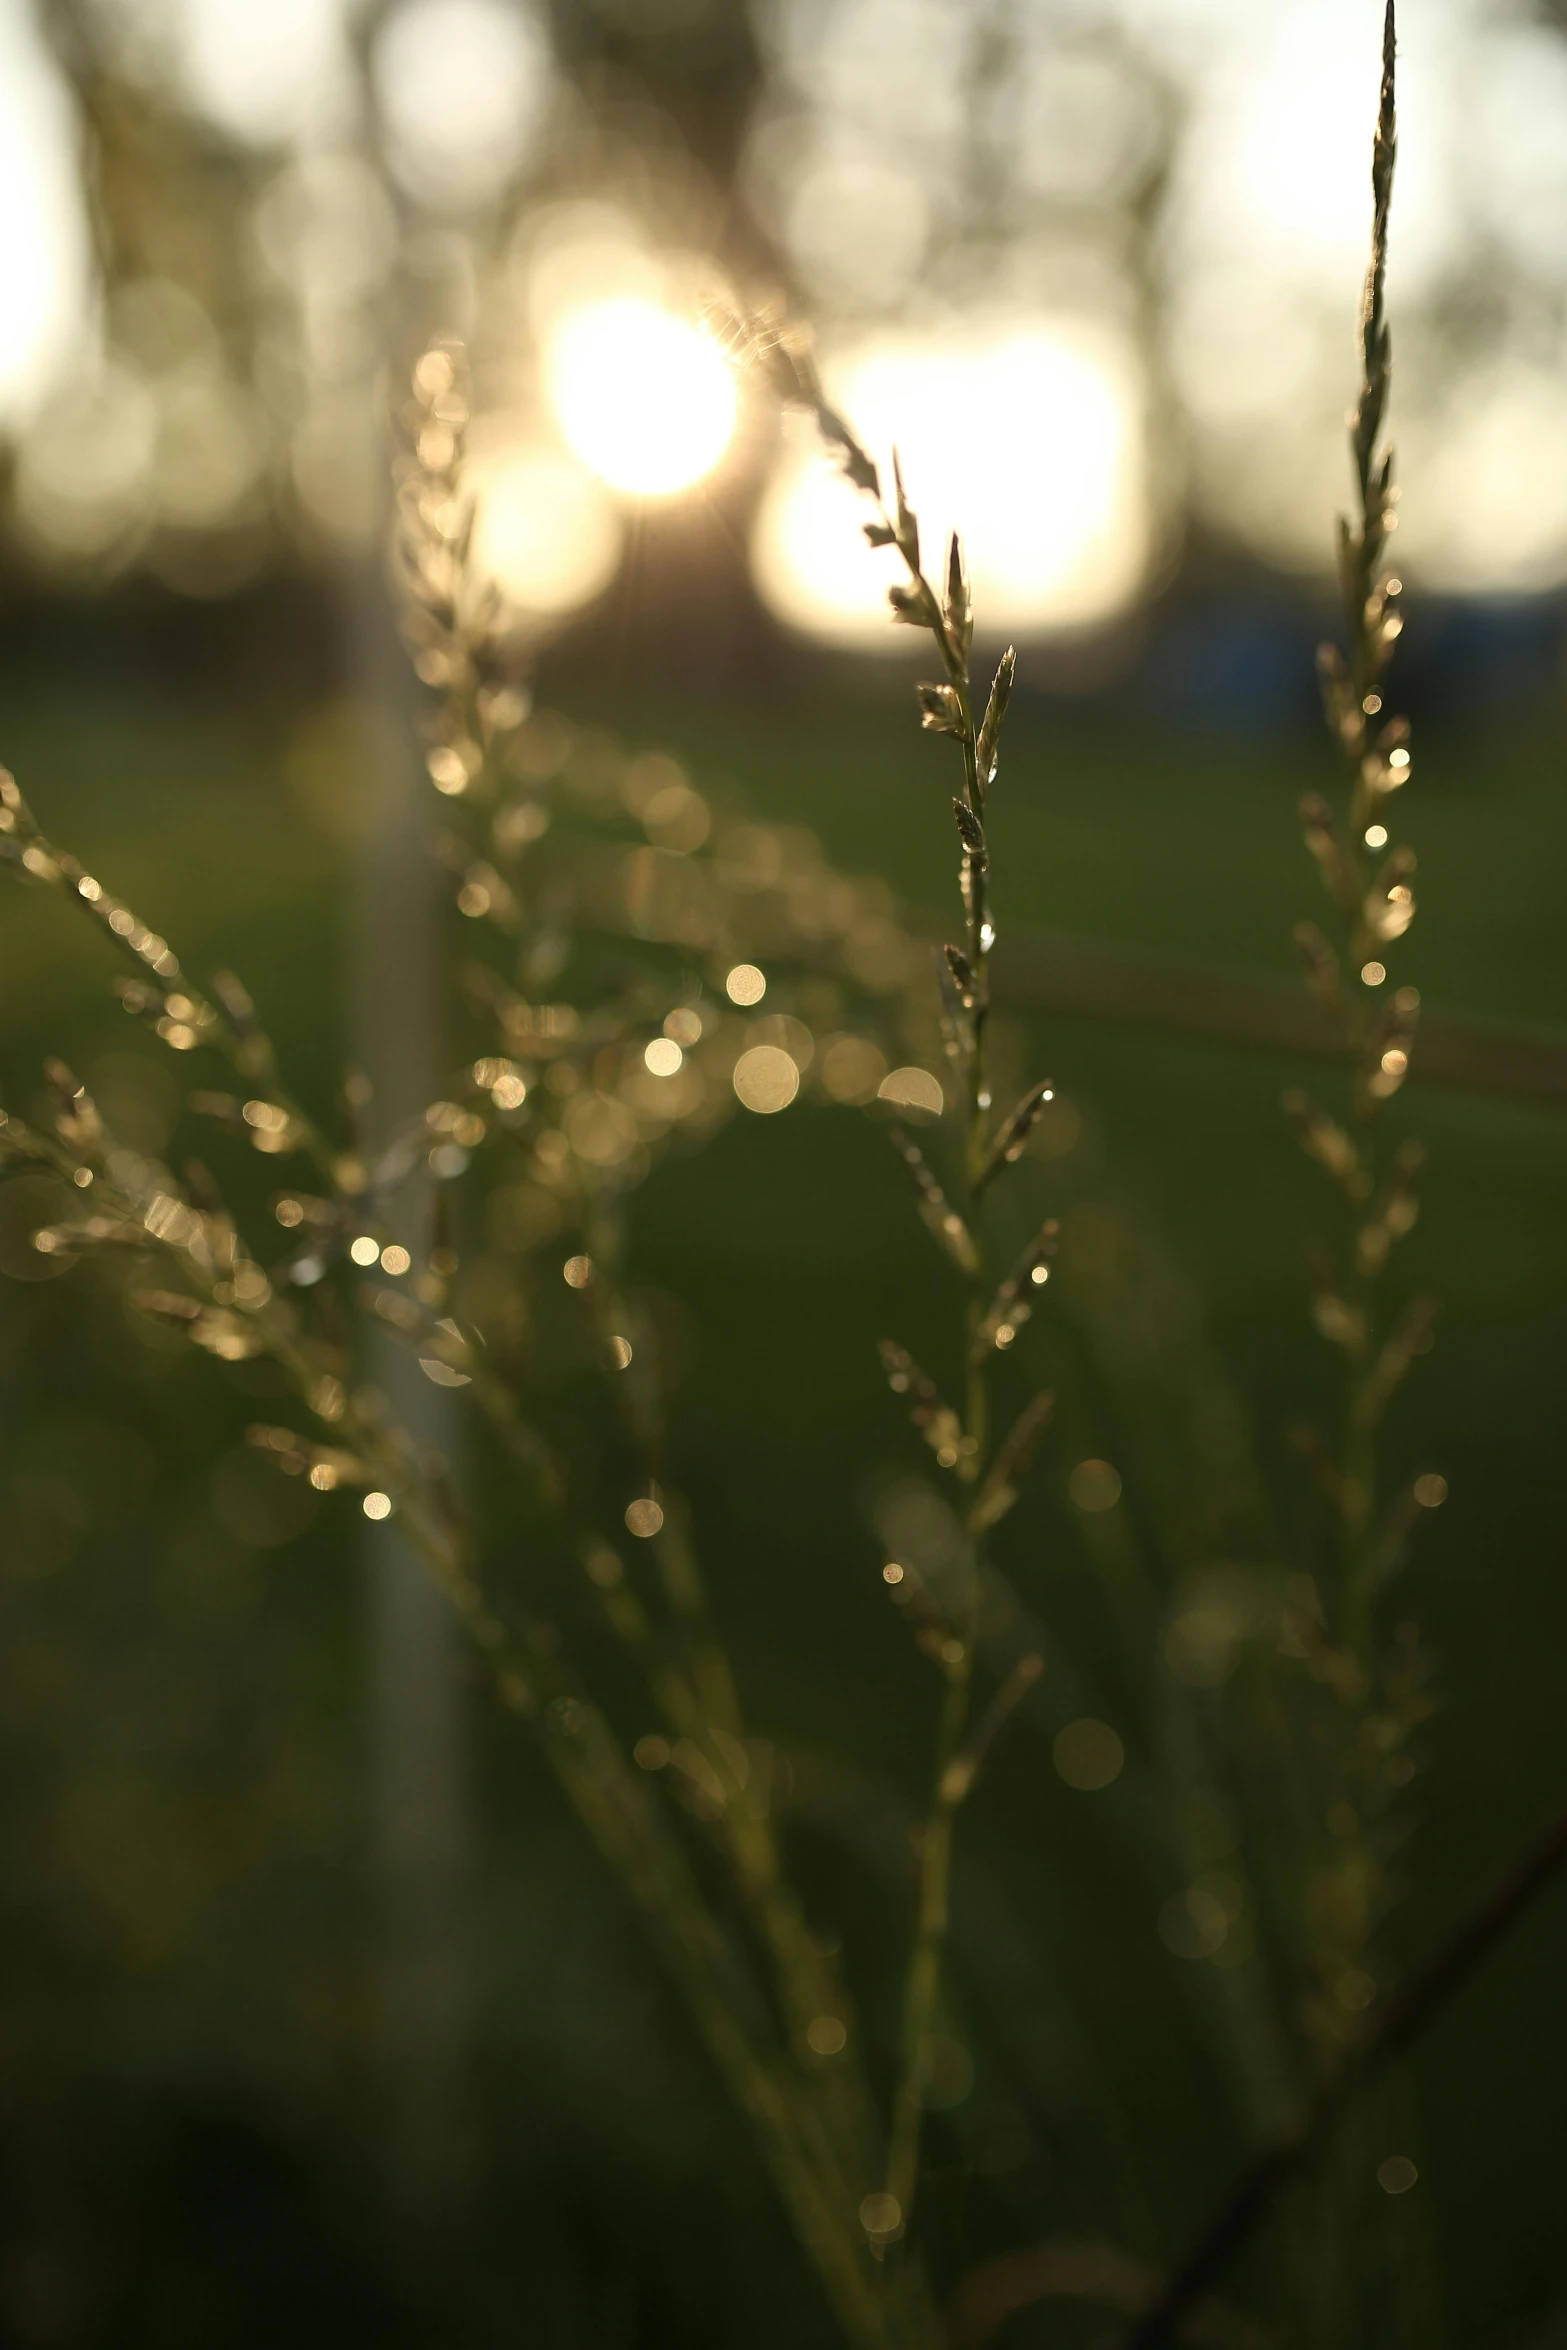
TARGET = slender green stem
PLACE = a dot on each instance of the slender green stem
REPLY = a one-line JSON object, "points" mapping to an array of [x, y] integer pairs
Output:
{"points": [[922, 1987], [812, 2175], [922, 1990], [1394, 2028], [1372, 630], [829, 2084], [825, 2092]]}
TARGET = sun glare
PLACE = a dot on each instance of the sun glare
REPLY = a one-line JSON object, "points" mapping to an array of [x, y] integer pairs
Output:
{"points": [[1032, 442], [644, 398]]}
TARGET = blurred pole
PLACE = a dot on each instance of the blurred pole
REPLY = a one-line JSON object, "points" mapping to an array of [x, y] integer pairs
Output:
{"points": [[420, 1796], [418, 1760], [423, 1961]]}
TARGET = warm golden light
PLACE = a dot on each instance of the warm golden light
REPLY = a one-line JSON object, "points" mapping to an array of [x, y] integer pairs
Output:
{"points": [[1030, 438], [645, 399], [913, 1089], [766, 1079], [745, 984], [544, 531], [44, 242]]}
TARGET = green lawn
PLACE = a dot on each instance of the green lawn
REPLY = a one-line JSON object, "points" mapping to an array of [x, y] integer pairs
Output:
{"points": [[793, 1243]]}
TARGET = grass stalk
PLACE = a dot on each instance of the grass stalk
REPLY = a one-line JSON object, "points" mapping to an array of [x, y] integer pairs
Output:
{"points": [[1393, 2031], [233, 1310], [962, 1441], [754, 1981], [451, 632], [1368, 881]]}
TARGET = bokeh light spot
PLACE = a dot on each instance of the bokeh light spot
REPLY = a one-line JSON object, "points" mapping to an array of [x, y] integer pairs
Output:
{"points": [[1094, 1486], [766, 1079], [544, 531], [1088, 1754], [1194, 1924], [913, 1089], [745, 984], [462, 86], [881, 2216]]}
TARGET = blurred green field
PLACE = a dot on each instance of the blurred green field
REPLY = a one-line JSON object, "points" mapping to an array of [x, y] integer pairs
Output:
{"points": [[186, 1893]]}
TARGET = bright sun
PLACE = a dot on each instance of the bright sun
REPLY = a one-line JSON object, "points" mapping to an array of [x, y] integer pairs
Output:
{"points": [[645, 399]]}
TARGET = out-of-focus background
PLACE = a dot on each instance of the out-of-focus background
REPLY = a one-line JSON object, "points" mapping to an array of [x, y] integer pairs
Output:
{"points": [[1094, 264]]}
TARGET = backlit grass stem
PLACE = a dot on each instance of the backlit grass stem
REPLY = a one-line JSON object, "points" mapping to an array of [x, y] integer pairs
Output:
{"points": [[1369, 883], [962, 1441]]}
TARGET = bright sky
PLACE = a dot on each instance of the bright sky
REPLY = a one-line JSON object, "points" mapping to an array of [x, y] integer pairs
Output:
{"points": [[1027, 438], [882, 123], [878, 138], [43, 234]]}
